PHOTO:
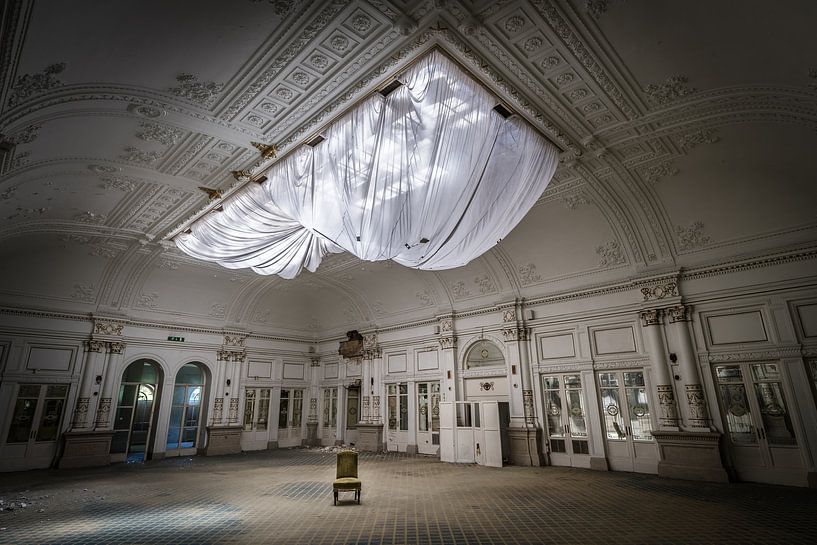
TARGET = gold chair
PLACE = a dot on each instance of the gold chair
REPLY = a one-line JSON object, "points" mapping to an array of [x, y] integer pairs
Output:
{"points": [[346, 476]]}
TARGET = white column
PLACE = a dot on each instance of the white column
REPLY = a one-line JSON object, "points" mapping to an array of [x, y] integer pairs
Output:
{"points": [[94, 357], [687, 361], [111, 366], [653, 333]]}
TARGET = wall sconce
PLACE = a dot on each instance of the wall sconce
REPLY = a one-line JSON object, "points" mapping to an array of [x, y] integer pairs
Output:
{"points": [[99, 379], [448, 374], [228, 382], [513, 369], [672, 357]]}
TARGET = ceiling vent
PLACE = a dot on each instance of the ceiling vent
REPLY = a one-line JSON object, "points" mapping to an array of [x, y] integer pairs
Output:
{"points": [[503, 111], [315, 141], [390, 88]]}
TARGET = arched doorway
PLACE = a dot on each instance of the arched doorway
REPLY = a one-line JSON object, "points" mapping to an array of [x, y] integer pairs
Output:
{"points": [[184, 428], [135, 408]]}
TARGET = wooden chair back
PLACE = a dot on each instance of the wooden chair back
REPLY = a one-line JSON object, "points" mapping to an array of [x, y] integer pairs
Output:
{"points": [[347, 464]]}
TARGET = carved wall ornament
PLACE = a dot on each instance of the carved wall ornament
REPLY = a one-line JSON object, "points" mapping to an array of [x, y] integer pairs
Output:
{"points": [[698, 412], [485, 283], [108, 328], [651, 317], [203, 93], [654, 173], [81, 412], [218, 310], [83, 293], [218, 409], [660, 291], [697, 138], [447, 342], [147, 300], [233, 418], [144, 110], [446, 324], [103, 169], [458, 290], [597, 8], [90, 217], [103, 413], [234, 339], [154, 132], [528, 275], [610, 254], [8, 194], [315, 362], [515, 334], [27, 212], [96, 346], [425, 298], [119, 183], [235, 356], [691, 237], [26, 135], [572, 201], [29, 85], [116, 347], [509, 315], [527, 405], [678, 313], [486, 386], [667, 406], [135, 155], [673, 88]]}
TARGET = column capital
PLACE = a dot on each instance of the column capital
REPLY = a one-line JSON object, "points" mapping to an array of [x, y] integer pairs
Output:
{"points": [[116, 347], [678, 313], [96, 346], [515, 333], [447, 342], [651, 317]]}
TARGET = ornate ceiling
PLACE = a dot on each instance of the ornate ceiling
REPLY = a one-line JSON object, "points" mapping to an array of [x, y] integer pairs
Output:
{"points": [[688, 132]]}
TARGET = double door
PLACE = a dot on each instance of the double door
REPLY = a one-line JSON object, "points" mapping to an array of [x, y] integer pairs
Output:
{"points": [[34, 430], [133, 422], [760, 433], [471, 432], [567, 434], [625, 410]]}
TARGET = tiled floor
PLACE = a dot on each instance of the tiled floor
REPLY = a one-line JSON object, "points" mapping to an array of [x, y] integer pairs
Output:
{"points": [[285, 497]]}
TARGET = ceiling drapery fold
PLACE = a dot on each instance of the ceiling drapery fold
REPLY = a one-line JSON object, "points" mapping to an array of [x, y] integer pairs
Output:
{"points": [[429, 176]]}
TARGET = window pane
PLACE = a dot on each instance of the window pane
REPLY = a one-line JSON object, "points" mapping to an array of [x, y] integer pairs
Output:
{"points": [[422, 408], [551, 383], [773, 412], [50, 420], [608, 379], [634, 378], [573, 381], [553, 413], [57, 390], [263, 409], [575, 407], [392, 410], [639, 409], [435, 407], [736, 408], [297, 408], [463, 415], [249, 409], [404, 407], [22, 420], [283, 410], [611, 411]]}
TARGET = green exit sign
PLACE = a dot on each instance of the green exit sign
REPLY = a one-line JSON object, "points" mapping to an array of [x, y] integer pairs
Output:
{"points": [[176, 339]]}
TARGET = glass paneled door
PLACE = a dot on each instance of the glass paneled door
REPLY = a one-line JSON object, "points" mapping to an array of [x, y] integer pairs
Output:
{"points": [[428, 418], [397, 399], [566, 420], [758, 424], [255, 421], [625, 411], [185, 414], [133, 421], [31, 440]]}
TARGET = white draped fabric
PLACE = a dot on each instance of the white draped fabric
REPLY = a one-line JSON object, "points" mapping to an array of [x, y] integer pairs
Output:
{"points": [[430, 162]]}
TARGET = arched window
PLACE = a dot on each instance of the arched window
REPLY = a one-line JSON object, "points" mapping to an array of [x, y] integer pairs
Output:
{"points": [[484, 354], [185, 412]]}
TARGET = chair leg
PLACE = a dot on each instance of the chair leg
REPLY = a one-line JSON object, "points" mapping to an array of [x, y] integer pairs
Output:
{"points": [[336, 497]]}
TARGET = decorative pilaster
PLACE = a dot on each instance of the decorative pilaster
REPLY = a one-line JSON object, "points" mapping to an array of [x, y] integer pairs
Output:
{"points": [[93, 353], [313, 410], [668, 413], [448, 344], [116, 349], [679, 316]]}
